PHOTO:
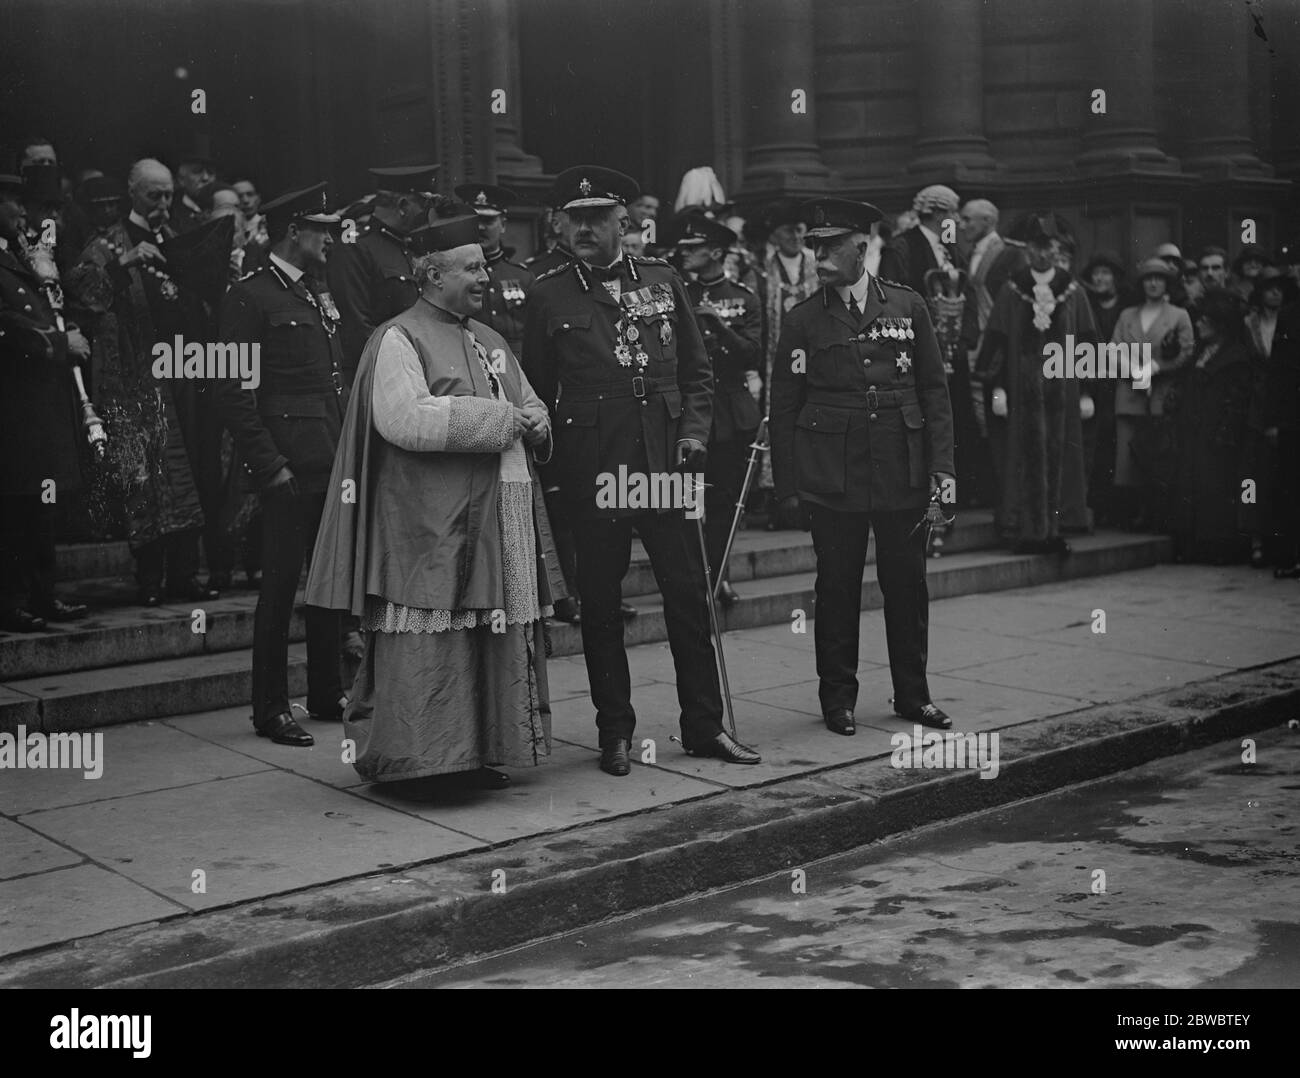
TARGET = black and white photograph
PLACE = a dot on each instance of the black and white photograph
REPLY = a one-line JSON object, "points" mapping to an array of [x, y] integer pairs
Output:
{"points": [[650, 494]]}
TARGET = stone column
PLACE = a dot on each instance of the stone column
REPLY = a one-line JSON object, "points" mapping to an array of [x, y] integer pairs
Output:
{"points": [[501, 33], [1215, 116], [1122, 63], [783, 155], [950, 89]]}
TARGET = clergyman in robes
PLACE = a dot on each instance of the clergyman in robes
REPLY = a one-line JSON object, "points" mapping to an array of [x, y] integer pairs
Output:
{"points": [[1038, 438], [436, 536]]}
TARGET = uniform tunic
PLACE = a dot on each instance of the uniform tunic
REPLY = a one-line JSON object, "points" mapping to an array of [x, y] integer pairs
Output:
{"points": [[372, 280], [292, 419], [860, 419], [503, 304]]}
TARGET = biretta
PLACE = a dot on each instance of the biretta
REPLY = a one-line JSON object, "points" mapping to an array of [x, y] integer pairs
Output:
{"points": [[589, 186], [830, 218], [445, 234]]}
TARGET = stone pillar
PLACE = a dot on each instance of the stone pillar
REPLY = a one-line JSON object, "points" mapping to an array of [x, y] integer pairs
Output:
{"points": [[501, 32], [1122, 63], [783, 155], [950, 89], [1215, 116]]}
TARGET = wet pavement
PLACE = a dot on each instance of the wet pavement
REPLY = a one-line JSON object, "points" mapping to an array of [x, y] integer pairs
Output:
{"points": [[1181, 874]]}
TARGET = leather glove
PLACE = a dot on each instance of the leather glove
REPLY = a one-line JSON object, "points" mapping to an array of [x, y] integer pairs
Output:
{"points": [[691, 455]]}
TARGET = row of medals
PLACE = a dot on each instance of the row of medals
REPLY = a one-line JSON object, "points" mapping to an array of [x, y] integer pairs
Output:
{"points": [[895, 329], [629, 333]]}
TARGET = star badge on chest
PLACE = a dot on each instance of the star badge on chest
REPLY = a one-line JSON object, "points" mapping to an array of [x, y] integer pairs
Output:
{"points": [[874, 334], [904, 363]]}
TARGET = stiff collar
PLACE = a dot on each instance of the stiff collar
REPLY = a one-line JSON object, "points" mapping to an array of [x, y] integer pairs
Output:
{"points": [[287, 268], [858, 290]]}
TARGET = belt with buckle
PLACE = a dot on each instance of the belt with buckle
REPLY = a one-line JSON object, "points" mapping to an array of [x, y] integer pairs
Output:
{"points": [[874, 398], [638, 387]]}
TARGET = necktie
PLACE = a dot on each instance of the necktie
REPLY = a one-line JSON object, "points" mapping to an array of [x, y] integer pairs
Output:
{"points": [[854, 309]]}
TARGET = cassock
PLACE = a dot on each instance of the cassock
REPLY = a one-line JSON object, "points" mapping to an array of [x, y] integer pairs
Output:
{"points": [[435, 535], [1041, 446]]}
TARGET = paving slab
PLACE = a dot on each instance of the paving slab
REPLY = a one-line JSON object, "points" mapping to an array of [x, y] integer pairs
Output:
{"points": [[230, 729], [252, 836], [565, 790], [23, 852], [135, 758], [36, 911]]}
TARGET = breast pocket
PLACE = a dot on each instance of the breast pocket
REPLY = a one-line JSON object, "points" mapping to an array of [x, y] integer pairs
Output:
{"points": [[821, 450], [290, 337]]}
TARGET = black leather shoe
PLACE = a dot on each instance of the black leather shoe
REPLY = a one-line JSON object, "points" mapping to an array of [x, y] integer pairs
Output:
{"points": [[21, 621], [840, 721], [628, 611], [727, 595], [193, 592], [927, 715], [722, 747], [58, 610], [614, 759], [335, 714], [149, 597], [283, 730]]}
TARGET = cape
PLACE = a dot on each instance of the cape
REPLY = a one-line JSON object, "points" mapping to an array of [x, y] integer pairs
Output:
{"points": [[435, 549]]}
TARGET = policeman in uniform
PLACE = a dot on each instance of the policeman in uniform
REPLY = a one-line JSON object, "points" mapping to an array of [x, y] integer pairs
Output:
{"points": [[862, 438], [372, 278], [287, 430], [509, 282], [731, 323], [610, 343]]}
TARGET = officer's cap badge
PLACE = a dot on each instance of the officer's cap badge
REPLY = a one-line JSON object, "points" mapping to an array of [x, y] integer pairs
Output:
{"points": [[584, 187]]}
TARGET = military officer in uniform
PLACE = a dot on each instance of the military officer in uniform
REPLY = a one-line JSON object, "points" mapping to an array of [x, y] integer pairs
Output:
{"points": [[731, 323], [503, 306], [862, 438], [555, 255], [611, 345], [372, 278], [287, 430]]}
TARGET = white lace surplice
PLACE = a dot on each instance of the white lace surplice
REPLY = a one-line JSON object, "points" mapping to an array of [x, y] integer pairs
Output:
{"points": [[408, 416]]}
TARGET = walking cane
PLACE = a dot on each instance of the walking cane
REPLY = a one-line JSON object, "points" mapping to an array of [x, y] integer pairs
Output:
{"points": [[757, 446], [713, 615]]}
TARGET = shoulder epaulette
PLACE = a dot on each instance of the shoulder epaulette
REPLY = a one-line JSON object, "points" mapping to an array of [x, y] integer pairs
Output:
{"points": [[896, 284], [552, 272], [650, 260], [250, 273], [741, 285]]}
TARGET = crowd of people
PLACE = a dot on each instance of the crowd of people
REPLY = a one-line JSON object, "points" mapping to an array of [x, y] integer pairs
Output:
{"points": [[1203, 450]]}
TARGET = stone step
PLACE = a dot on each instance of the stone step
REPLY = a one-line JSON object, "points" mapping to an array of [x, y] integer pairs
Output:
{"points": [[208, 680], [118, 630]]}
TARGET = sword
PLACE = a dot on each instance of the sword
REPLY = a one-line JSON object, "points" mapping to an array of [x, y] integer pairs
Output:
{"points": [[757, 446], [713, 617]]}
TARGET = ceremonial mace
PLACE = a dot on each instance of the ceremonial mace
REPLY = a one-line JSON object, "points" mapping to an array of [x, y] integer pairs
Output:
{"points": [[47, 273], [757, 446]]}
